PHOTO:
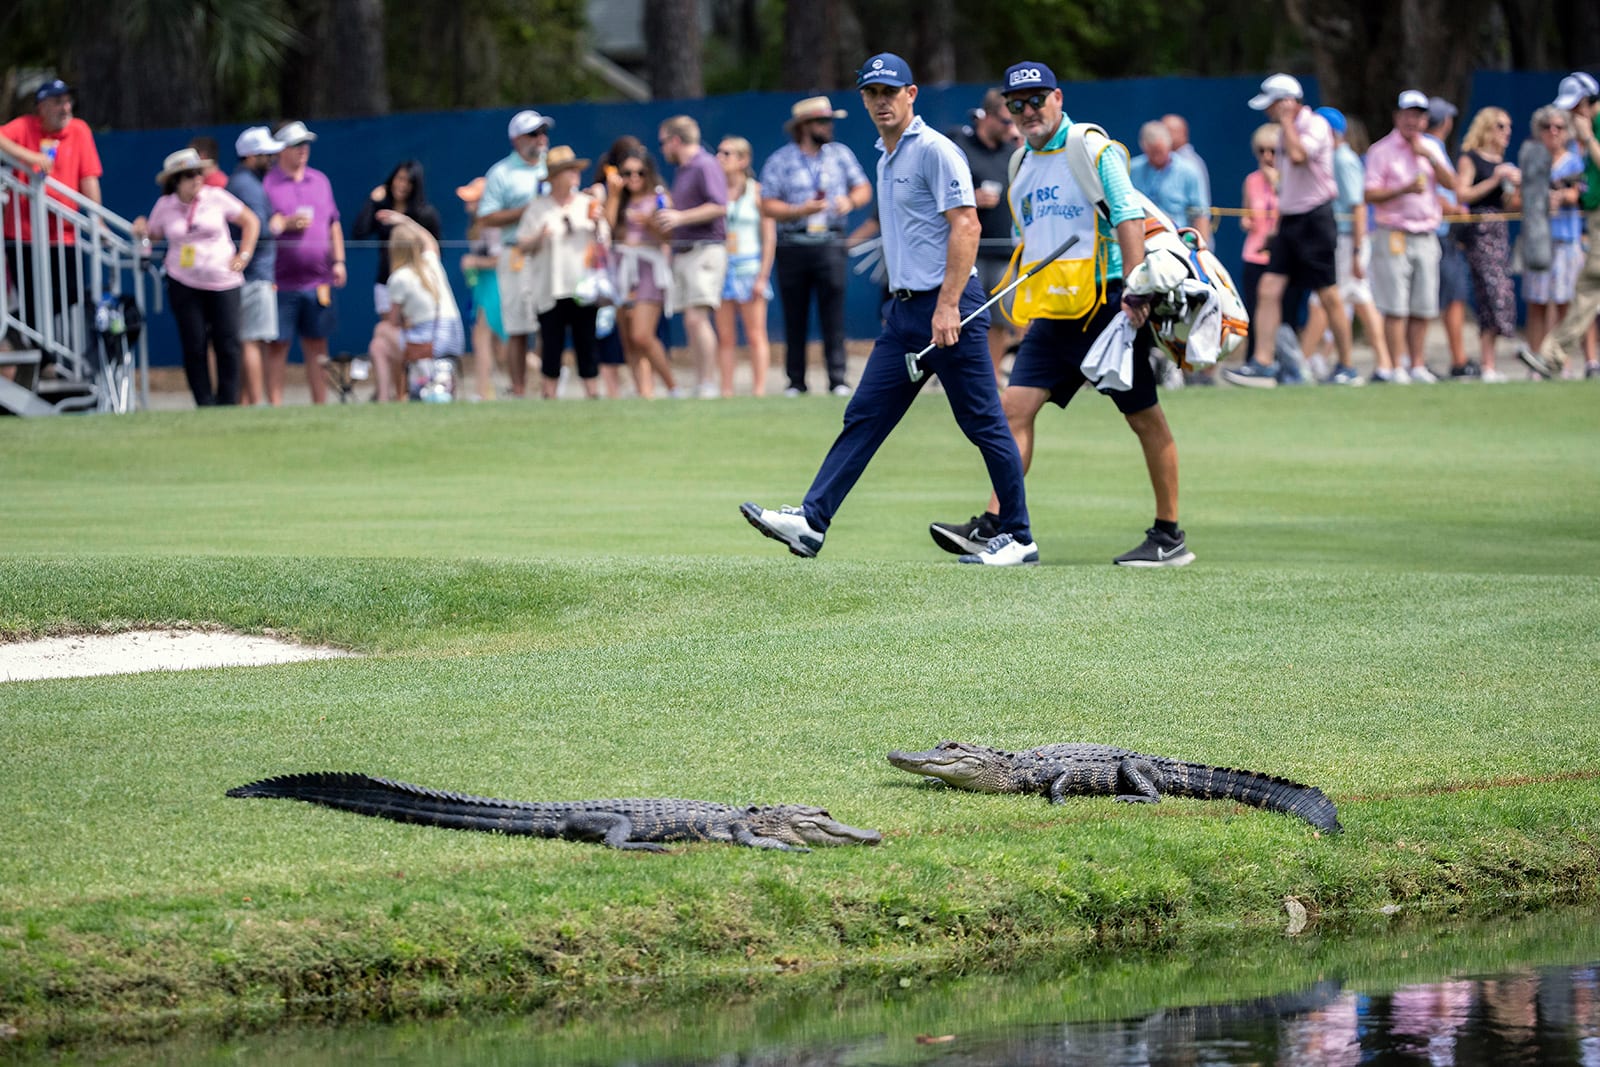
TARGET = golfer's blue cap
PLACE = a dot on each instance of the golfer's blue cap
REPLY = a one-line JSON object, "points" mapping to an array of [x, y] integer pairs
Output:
{"points": [[1335, 119], [1027, 75], [54, 87], [885, 68]]}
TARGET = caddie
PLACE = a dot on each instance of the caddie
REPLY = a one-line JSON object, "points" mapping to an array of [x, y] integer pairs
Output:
{"points": [[1070, 302], [930, 241]]}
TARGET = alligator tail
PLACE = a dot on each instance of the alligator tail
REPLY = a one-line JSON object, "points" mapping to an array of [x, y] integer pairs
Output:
{"points": [[1248, 787], [400, 802]]}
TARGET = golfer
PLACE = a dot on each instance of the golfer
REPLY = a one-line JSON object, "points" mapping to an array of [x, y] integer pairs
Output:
{"points": [[1074, 299], [930, 240]]}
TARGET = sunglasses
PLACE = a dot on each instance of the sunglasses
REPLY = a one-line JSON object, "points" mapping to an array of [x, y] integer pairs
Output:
{"points": [[634, 173], [727, 152], [1036, 101], [1266, 151]]}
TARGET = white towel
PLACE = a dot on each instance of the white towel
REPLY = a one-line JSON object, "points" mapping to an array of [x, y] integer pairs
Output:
{"points": [[1109, 364]]}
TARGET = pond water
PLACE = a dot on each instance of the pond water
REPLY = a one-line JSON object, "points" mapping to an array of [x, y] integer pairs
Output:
{"points": [[1519, 990]]}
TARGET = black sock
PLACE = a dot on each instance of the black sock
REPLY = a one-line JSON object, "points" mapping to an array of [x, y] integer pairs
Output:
{"points": [[1168, 528]]}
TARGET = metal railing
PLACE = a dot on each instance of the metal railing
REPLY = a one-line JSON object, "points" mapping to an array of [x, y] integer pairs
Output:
{"points": [[68, 354]]}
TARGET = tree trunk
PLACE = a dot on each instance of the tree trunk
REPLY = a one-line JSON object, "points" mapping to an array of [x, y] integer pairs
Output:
{"points": [[934, 61], [811, 46], [336, 68], [1366, 51], [672, 49]]}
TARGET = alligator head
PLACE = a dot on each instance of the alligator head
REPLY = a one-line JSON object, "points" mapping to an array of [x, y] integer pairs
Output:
{"points": [[801, 825], [956, 763]]}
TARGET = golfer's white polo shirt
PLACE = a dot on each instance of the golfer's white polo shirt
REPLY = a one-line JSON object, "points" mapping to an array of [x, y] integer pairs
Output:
{"points": [[925, 176]]}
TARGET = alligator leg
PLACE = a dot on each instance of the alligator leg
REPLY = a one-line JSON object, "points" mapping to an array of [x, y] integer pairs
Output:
{"points": [[1139, 782], [610, 828], [743, 835]]}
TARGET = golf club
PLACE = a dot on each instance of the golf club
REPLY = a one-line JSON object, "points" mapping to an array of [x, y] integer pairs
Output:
{"points": [[914, 359]]}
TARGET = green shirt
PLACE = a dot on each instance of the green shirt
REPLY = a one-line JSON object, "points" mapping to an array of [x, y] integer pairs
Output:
{"points": [[1591, 175]]}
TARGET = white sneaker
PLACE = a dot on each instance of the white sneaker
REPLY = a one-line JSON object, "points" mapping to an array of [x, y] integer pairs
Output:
{"points": [[1401, 376], [1492, 376], [709, 391], [1423, 376], [840, 390], [1005, 551], [787, 524], [792, 391]]}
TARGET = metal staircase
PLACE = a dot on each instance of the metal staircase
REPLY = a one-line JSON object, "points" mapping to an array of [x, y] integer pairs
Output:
{"points": [[57, 356]]}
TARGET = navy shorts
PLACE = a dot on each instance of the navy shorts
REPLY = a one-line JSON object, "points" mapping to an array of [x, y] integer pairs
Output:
{"points": [[301, 314], [1052, 351], [1455, 277]]}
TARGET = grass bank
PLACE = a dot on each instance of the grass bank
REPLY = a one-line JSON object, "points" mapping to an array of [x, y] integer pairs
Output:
{"points": [[1396, 600]]}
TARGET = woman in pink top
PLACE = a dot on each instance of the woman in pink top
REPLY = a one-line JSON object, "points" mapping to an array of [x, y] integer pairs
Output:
{"points": [[644, 271], [1260, 221], [203, 269]]}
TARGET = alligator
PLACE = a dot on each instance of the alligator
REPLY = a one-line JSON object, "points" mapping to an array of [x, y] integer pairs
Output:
{"points": [[639, 823], [1060, 771]]}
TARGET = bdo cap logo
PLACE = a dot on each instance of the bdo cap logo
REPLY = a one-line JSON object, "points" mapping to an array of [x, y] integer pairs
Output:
{"points": [[1026, 75]]}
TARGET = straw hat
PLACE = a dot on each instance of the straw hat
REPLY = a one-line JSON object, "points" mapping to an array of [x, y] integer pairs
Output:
{"points": [[561, 158], [181, 162], [812, 107]]}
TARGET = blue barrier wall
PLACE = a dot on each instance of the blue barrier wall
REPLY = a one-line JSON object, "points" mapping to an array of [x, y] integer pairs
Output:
{"points": [[456, 147]]}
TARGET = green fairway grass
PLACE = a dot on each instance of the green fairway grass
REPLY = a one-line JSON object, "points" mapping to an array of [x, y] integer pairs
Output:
{"points": [[1397, 599]]}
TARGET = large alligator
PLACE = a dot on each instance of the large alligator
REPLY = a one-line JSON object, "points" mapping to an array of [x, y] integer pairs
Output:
{"points": [[1060, 771], [631, 824]]}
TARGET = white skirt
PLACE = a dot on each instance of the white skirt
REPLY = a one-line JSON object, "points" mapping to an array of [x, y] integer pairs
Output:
{"points": [[447, 336]]}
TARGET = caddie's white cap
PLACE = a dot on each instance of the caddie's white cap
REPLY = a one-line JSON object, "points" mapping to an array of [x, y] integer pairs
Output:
{"points": [[528, 122], [1575, 89], [1412, 100], [256, 141], [1278, 87]]}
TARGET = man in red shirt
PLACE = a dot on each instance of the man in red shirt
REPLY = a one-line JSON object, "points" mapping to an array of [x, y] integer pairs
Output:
{"points": [[53, 141]]}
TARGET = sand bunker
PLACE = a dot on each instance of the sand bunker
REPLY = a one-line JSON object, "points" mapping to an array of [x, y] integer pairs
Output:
{"points": [[82, 655]]}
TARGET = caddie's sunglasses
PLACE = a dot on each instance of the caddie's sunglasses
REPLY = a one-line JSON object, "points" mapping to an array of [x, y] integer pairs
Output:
{"points": [[1036, 101]]}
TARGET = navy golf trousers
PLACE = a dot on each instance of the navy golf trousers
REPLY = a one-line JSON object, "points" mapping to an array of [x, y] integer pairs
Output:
{"points": [[886, 391]]}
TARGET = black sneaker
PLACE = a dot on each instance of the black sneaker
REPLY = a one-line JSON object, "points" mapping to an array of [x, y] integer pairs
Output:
{"points": [[1469, 371], [1158, 550], [965, 538]]}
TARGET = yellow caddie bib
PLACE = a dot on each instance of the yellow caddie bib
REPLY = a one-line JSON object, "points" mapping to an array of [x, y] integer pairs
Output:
{"points": [[1047, 207]]}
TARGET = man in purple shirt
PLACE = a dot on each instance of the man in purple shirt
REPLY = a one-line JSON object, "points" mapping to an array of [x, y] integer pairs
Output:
{"points": [[697, 225], [310, 264]]}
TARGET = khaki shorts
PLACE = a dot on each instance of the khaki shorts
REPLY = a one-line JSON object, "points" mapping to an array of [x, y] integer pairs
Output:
{"points": [[1352, 290], [1405, 273], [697, 276], [258, 311]]}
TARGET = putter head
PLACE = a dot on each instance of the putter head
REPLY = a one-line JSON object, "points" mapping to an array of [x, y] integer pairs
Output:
{"points": [[914, 366]]}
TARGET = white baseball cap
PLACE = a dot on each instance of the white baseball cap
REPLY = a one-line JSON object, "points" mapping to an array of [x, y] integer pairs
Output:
{"points": [[1412, 100], [256, 141], [1278, 87], [528, 122], [293, 133], [1575, 89]]}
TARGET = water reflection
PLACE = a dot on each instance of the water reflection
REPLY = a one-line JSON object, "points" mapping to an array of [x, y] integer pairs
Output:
{"points": [[1523, 991]]}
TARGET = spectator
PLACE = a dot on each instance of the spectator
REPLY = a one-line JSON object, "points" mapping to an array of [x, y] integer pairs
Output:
{"points": [[752, 240], [1579, 96], [1353, 254], [1178, 127], [1550, 273], [209, 150], [1405, 169], [988, 143], [1303, 251], [1171, 181], [1259, 222], [697, 226], [478, 267], [310, 263], [609, 350], [204, 270], [258, 298], [644, 271], [54, 141], [559, 233], [422, 308], [1455, 281], [508, 187], [809, 187], [404, 193], [1489, 186]]}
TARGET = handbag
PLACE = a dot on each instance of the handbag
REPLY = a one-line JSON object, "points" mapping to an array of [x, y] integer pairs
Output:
{"points": [[596, 288]]}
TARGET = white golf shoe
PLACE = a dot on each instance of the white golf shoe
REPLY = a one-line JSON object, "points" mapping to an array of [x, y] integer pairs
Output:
{"points": [[1004, 550], [787, 524]]}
